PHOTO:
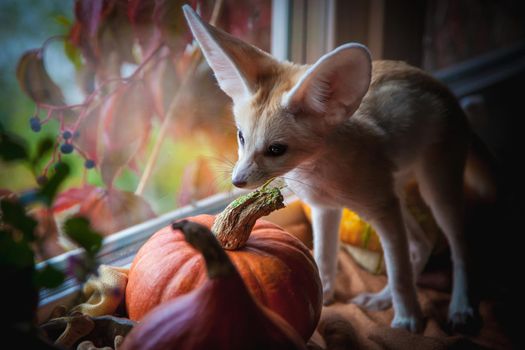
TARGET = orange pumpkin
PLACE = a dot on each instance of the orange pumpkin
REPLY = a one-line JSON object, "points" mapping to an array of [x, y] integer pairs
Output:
{"points": [[204, 318], [276, 267]]}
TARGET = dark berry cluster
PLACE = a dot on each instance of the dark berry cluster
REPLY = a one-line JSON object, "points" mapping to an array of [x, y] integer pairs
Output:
{"points": [[66, 148], [89, 163], [35, 124]]}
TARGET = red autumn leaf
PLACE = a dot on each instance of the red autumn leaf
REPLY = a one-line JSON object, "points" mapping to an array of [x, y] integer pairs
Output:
{"points": [[78, 37], [126, 118], [162, 81], [140, 14], [249, 20], [88, 138], [70, 199], [103, 32], [110, 211], [115, 34], [170, 20], [34, 80], [5, 193], [90, 14]]}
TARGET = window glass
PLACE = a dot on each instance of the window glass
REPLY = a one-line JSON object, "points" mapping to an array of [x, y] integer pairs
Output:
{"points": [[127, 101]]}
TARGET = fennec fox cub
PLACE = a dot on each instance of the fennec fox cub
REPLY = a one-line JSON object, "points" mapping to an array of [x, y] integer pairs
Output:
{"points": [[349, 132]]}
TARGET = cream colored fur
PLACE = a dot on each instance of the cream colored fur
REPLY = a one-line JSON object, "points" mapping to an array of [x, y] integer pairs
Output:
{"points": [[355, 132]]}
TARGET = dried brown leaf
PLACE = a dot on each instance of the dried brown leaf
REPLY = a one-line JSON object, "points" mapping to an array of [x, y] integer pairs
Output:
{"points": [[35, 81]]}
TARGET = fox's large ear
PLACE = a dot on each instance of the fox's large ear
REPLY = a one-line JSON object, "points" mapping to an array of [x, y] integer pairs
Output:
{"points": [[236, 64], [338, 79]]}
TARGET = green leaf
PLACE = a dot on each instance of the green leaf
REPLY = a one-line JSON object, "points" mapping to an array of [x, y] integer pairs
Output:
{"points": [[80, 231], [12, 148], [48, 192], [49, 277], [15, 253], [44, 147], [14, 214]]}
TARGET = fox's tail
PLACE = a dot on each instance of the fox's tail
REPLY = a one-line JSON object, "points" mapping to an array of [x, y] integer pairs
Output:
{"points": [[481, 171]]}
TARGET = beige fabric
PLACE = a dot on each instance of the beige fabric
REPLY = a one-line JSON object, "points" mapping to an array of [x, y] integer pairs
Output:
{"points": [[346, 326]]}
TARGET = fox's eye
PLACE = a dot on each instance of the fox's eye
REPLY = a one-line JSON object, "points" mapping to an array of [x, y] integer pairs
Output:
{"points": [[241, 138], [276, 149]]}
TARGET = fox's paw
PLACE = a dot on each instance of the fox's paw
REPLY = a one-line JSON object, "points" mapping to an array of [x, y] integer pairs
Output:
{"points": [[373, 301], [414, 324], [464, 320]]}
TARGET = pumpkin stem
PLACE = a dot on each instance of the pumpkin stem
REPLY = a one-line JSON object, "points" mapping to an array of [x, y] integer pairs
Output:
{"points": [[218, 264], [233, 226]]}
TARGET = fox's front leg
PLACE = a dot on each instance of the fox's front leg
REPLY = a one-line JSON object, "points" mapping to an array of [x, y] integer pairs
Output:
{"points": [[420, 246], [325, 224], [390, 227]]}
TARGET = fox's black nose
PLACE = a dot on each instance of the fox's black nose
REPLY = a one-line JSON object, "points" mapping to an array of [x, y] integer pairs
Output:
{"points": [[239, 183]]}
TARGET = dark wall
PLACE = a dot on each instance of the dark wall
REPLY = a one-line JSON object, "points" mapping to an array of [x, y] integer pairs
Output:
{"points": [[456, 30]]}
